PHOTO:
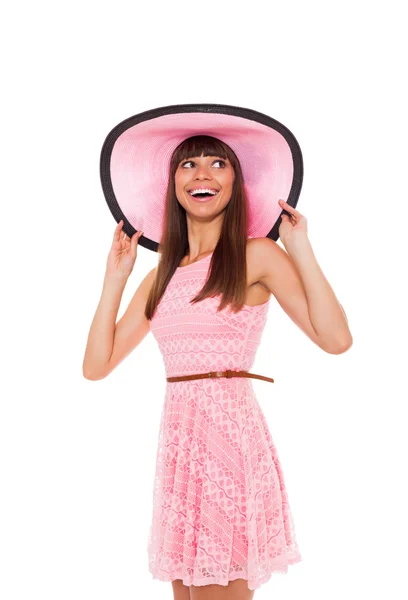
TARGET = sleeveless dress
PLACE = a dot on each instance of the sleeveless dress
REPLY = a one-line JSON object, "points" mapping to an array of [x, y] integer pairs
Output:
{"points": [[220, 506]]}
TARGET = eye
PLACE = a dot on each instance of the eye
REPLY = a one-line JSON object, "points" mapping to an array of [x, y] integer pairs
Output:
{"points": [[192, 162]]}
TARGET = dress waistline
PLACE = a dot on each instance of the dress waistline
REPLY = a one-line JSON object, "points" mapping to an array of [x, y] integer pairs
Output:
{"points": [[227, 374]]}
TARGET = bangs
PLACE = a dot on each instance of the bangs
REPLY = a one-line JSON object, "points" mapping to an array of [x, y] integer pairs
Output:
{"points": [[200, 145]]}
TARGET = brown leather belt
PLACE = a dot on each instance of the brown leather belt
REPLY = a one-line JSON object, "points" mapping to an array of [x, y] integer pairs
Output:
{"points": [[227, 373]]}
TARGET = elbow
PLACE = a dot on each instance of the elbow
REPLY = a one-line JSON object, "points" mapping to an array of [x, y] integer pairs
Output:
{"points": [[340, 347], [93, 375]]}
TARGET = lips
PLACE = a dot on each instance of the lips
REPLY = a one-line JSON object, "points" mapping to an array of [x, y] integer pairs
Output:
{"points": [[203, 198]]}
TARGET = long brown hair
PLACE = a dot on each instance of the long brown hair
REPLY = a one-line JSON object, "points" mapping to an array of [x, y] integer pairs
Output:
{"points": [[228, 273]]}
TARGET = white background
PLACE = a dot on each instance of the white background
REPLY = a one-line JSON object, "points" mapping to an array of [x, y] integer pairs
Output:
{"points": [[78, 457]]}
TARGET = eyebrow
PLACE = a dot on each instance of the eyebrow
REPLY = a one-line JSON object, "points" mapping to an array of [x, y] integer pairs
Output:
{"points": [[215, 156]]}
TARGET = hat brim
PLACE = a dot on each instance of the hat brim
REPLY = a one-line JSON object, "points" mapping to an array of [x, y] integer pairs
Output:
{"points": [[135, 160]]}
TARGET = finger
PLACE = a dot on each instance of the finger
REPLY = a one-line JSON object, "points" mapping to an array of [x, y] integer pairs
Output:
{"points": [[135, 240], [289, 208], [293, 216], [136, 236], [116, 233], [125, 237], [293, 212]]}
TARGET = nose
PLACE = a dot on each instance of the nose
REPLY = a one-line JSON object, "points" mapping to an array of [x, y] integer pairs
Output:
{"points": [[202, 172]]}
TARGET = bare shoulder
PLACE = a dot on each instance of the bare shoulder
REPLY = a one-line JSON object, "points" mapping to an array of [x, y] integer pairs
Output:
{"points": [[143, 291], [134, 315], [265, 260], [150, 277], [147, 284]]}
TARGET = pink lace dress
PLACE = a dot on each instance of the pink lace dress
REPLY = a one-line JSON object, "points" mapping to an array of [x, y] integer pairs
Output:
{"points": [[220, 507]]}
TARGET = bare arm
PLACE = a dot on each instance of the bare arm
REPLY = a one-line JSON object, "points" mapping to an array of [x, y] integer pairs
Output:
{"points": [[278, 271], [110, 342], [101, 334]]}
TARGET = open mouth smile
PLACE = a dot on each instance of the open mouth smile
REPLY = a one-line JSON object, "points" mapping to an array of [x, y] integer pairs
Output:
{"points": [[203, 194]]}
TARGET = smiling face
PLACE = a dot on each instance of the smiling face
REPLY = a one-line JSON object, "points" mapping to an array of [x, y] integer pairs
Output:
{"points": [[206, 173]]}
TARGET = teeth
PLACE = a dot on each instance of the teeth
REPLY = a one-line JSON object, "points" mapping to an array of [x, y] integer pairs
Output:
{"points": [[202, 191]]}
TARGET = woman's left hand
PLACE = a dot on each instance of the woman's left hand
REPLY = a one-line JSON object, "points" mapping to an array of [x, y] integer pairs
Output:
{"points": [[292, 226]]}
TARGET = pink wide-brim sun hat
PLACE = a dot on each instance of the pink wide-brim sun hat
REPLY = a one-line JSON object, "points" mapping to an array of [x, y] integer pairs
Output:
{"points": [[135, 161]]}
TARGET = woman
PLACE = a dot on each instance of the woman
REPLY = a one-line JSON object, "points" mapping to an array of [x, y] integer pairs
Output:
{"points": [[221, 522]]}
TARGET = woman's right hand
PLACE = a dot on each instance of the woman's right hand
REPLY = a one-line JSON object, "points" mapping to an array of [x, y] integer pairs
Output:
{"points": [[123, 253]]}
